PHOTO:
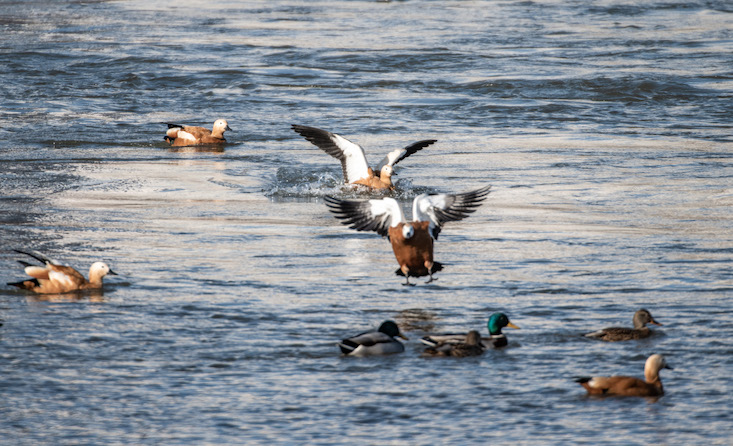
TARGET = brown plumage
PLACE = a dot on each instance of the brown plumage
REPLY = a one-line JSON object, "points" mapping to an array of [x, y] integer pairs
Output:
{"points": [[53, 278], [414, 254], [471, 347], [412, 242], [651, 385], [186, 135], [353, 160], [640, 330]]}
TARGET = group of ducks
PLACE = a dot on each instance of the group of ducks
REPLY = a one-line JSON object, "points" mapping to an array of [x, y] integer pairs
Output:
{"points": [[383, 341], [411, 240], [412, 244]]}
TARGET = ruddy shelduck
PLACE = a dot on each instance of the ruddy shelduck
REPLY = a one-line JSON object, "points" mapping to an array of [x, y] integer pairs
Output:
{"points": [[651, 385], [353, 160], [640, 330], [187, 135], [412, 242], [54, 278], [379, 342]]}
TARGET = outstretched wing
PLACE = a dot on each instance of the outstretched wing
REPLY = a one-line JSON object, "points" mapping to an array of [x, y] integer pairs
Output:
{"points": [[367, 215], [398, 155], [353, 160], [38, 256], [441, 208]]}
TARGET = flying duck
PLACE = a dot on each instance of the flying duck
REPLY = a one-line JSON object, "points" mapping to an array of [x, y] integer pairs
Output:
{"points": [[470, 346], [651, 385], [412, 242], [353, 160], [186, 135], [640, 330], [496, 338], [379, 342], [54, 278]]}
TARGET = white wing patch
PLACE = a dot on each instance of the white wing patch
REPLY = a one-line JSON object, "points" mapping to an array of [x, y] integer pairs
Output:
{"points": [[61, 278], [387, 208], [391, 158], [186, 136], [355, 163]]}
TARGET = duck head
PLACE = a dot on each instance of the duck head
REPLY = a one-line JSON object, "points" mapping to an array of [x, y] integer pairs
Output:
{"points": [[497, 321], [390, 328]]}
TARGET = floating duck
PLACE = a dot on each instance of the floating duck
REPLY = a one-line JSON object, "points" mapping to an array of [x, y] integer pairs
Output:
{"points": [[651, 385], [353, 160], [380, 342], [412, 242], [640, 330], [471, 346], [54, 278], [186, 135], [496, 338]]}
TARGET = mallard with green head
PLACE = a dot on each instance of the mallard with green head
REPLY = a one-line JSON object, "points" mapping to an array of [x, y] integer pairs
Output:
{"points": [[496, 338], [379, 342]]}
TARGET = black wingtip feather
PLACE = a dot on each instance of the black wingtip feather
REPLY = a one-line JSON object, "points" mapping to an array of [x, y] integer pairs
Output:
{"points": [[37, 256]]}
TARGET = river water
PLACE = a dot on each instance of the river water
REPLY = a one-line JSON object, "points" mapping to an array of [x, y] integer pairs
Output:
{"points": [[604, 128]]}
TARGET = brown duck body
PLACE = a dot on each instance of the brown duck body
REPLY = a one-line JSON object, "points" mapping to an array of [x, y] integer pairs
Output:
{"points": [[623, 386], [471, 347], [651, 385], [640, 330], [375, 182], [187, 135], [414, 255], [57, 279]]}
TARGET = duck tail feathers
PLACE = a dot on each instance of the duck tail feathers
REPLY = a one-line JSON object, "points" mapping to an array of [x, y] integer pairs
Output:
{"points": [[347, 346]]}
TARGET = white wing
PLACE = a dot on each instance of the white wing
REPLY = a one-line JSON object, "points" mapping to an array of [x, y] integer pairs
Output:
{"points": [[441, 208], [367, 215], [353, 160], [59, 277], [184, 135], [398, 155]]}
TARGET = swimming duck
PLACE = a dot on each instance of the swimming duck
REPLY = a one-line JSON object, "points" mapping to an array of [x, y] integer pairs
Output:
{"points": [[353, 160], [412, 242], [651, 385], [640, 330], [54, 278], [471, 346], [379, 342], [496, 338], [186, 135]]}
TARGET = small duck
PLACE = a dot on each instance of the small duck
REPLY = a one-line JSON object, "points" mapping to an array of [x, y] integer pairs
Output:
{"points": [[54, 278], [651, 385], [412, 241], [496, 338], [186, 135], [472, 346], [353, 160], [380, 342], [640, 330]]}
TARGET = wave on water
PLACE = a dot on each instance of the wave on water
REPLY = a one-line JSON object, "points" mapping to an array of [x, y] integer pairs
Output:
{"points": [[297, 183]]}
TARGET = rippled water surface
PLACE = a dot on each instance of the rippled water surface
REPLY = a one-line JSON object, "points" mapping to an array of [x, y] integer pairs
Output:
{"points": [[604, 128]]}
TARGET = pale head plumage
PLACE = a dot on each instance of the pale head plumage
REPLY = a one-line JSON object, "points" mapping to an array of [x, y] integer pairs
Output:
{"points": [[654, 364], [386, 172], [408, 231], [220, 126]]}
